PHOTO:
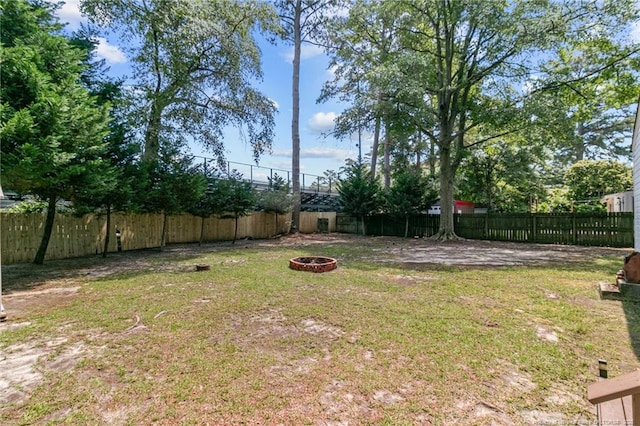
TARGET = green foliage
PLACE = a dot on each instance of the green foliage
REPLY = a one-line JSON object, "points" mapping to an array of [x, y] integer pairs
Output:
{"points": [[22, 18], [241, 195], [194, 64], [28, 206], [591, 116], [115, 189], [593, 179], [409, 193], [233, 195], [360, 196], [52, 129], [590, 207], [555, 201], [504, 176], [277, 198], [455, 72], [210, 202], [171, 185]]}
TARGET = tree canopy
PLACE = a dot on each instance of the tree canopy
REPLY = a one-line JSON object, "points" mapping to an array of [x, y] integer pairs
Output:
{"points": [[466, 72], [194, 65]]}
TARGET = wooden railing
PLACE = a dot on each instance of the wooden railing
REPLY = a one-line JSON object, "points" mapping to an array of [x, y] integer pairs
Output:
{"points": [[617, 400]]}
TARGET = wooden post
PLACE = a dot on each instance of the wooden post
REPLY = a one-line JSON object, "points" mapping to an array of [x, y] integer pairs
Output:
{"points": [[486, 226], [635, 404]]}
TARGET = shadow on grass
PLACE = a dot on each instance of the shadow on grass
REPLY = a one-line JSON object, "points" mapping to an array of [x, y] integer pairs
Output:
{"points": [[632, 313], [27, 276]]}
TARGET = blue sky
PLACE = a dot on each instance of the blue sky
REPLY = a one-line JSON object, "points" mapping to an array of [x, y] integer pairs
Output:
{"points": [[317, 153]]}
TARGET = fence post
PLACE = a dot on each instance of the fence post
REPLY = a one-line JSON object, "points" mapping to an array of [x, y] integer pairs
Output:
{"points": [[534, 228], [574, 232], [486, 226]]}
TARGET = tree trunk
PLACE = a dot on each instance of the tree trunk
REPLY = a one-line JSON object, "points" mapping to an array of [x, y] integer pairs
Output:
{"points": [[446, 230], [107, 233], [276, 213], [387, 154], [201, 231], [295, 119], [374, 149], [406, 226], [418, 150], [152, 134], [235, 232], [432, 158], [164, 231], [48, 228]]}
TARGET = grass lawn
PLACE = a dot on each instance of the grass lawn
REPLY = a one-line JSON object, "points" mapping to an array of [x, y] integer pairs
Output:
{"points": [[389, 337]]}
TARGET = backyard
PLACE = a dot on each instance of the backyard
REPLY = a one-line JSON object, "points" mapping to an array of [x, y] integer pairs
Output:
{"points": [[404, 332]]}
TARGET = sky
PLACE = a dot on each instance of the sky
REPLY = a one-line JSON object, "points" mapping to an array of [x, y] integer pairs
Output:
{"points": [[318, 153]]}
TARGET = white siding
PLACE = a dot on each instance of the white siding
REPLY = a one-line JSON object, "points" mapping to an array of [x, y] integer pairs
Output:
{"points": [[635, 147]]}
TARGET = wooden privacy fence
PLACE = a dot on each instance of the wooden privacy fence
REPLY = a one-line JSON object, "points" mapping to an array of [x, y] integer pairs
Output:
{"points": [[594, 229], [72, 236]]}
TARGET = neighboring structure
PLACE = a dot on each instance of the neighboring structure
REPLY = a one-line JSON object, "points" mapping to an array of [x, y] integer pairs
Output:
{"points": [[459, 207], [635, 148], [618, 202]]}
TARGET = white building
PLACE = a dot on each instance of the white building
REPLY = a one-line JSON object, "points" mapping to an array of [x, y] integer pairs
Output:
{"points": [[618, 202], [635, 148]]}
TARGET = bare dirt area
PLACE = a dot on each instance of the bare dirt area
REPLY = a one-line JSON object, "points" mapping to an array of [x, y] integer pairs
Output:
{"points": [[28, 288], [59, 273]]}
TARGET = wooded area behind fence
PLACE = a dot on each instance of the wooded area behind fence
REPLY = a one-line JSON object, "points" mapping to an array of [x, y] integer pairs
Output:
{"points": [[593, 229], [80, 236]]}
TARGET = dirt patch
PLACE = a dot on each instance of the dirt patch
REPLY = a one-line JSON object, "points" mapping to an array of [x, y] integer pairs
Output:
{"points": [[69, 272], [485, 253], [23, 366]]}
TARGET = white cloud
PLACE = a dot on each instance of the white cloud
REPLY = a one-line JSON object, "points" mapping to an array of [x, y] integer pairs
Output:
{"points": [[275, 104], [112, 54], [70, 13], [325, 152], [322, 121], [306, 51], [315, 152]]}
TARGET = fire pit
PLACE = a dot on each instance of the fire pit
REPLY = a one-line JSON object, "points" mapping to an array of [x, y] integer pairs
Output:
{"points": [[313, 264]]}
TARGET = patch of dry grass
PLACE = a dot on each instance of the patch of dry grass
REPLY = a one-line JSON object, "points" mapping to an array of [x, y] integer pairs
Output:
{"points": [[253, 342]]}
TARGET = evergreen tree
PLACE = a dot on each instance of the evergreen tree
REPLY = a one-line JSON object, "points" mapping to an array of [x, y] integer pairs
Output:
{"points": [[359, 195], [171, 185], [52, 129], [409, 193], [277, 199]]}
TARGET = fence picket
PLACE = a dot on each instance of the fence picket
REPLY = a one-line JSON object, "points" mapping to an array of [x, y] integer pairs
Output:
{"points": [[596, 229], [81, 236]]}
